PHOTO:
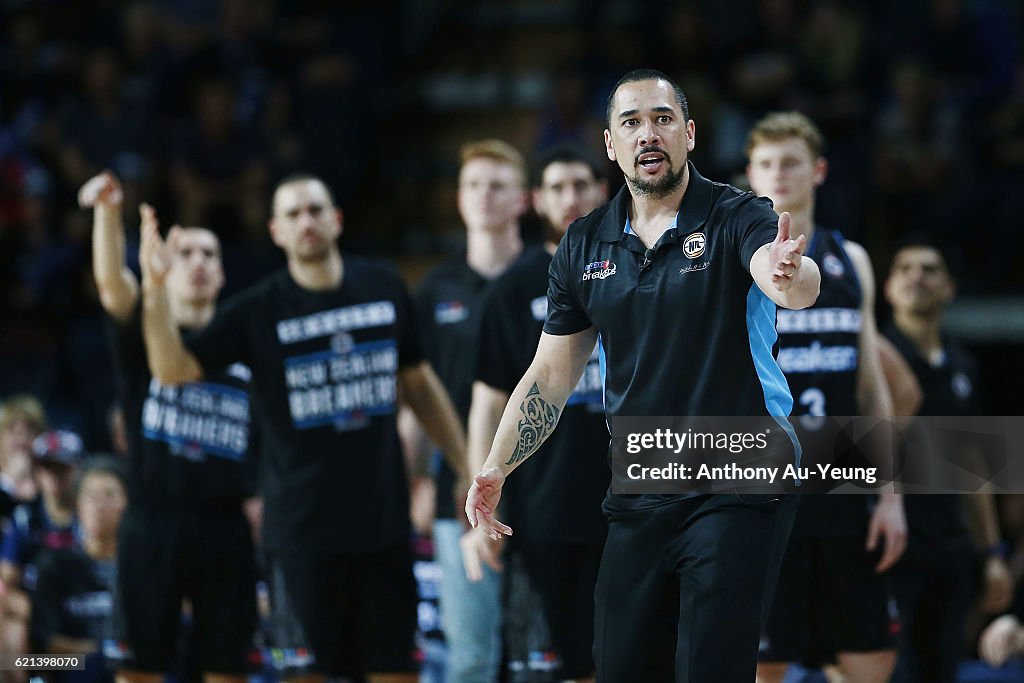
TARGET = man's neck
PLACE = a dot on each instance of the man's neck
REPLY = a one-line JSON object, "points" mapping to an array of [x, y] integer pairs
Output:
{"points": [[489, 253], [924, 332], [320, 275], [192, 315], [801, 221], [101, 548], [650, 216]]}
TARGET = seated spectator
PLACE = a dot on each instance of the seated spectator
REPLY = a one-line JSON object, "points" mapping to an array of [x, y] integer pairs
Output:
{"points": [[72, 604], [22, 418]]}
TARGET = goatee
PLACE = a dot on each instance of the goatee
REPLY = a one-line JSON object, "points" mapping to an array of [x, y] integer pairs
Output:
{"points": [[660, 188]]}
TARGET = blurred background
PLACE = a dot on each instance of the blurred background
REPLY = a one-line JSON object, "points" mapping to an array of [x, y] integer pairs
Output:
{"points": [[201, 105]]}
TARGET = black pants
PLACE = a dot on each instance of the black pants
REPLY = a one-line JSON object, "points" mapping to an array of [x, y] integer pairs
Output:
{"points": [[683, 589]]}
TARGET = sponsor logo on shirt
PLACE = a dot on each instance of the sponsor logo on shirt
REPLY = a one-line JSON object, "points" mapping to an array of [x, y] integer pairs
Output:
{"points": [[291, 657], [693, 246], [818, 358], [539, 308], [342, 389], [327, 323], [198, 419], [818, 320], [450, 312], [833, 265], [96, 604], [598, 270]]}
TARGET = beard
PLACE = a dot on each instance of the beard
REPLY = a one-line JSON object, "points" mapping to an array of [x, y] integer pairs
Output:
{"points": [[660, 188], [664, 186]]}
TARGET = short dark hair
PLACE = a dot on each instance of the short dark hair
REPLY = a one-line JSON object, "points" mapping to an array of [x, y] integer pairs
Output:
{"points": [[102, 463], [646, 75], [566, 153], [921, 240], [302, 177]]}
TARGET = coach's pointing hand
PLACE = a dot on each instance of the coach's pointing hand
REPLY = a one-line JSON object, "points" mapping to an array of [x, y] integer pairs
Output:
{"points": [[482, 501], [785, 254]]}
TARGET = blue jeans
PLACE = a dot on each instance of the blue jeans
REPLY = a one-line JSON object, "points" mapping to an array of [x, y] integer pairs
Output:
{"points": [[470, 611]]}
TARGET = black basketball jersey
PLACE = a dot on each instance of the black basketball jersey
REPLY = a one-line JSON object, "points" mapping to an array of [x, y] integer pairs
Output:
{"points": [[818, 346]]}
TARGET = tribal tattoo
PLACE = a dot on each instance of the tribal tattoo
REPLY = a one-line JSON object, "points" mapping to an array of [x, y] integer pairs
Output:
{"points": [[539, 419]]}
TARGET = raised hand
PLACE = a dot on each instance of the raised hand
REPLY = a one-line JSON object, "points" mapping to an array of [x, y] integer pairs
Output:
{"points": [[103, 189], [154, 253], [785, 254], [483, 499]]}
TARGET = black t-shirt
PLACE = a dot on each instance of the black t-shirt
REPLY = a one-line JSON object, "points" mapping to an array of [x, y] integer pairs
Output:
{"points": [[568, 476], [683, 327], [324, 368], [189, 445], [73, 599], [447, 309], [950, 388]]}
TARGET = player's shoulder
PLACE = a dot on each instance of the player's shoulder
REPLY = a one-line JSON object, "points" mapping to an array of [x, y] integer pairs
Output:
{"points": [[376, 270], [733, 202], [444, 272]]}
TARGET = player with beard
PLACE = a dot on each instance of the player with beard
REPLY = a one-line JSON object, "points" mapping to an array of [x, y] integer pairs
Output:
{"points": [[832, 600], [551, 569], [491, 199], [680, 278], [330, 341], [184, 533]]}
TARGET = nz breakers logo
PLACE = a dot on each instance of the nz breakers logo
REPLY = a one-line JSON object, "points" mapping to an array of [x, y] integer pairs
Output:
{"points": [[693, 246], [598, 270]]}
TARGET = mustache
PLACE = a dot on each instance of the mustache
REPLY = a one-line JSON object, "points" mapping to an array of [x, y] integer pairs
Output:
{"points": [[648, 150]]}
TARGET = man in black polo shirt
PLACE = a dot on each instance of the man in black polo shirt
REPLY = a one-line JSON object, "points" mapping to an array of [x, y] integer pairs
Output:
{"points": [[184, 534], [491, 199], [934, 583], [551, 569], [680, 277], [330, 342]]}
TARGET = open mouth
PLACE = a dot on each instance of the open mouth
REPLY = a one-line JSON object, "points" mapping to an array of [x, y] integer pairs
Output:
{"points": [[651, 161]]}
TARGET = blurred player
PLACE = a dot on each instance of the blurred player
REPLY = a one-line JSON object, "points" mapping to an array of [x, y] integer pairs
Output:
{"points": [[184, 534], [831, 599], [551, 568], [330, 341], [935, 582], [491, 199]]}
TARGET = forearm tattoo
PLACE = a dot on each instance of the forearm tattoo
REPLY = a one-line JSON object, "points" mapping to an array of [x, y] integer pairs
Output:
{"points": [[539, 419]]}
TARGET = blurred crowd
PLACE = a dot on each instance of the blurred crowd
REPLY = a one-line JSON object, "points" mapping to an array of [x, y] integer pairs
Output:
{"points": [[200, 106]]}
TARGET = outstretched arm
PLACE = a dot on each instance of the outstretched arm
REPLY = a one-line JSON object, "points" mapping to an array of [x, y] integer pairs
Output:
{"points": [[118, 289], [529, 418], [781, 271], [169, 360]]}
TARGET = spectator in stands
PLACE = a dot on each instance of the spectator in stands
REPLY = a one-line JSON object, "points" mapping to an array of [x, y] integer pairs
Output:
{"points": [[73, 601], [22, 419], [47, 523]]}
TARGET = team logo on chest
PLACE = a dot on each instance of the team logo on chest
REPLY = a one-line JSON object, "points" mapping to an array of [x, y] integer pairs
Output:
{"points": [[693, 246], [832, 265], [598, 270]]}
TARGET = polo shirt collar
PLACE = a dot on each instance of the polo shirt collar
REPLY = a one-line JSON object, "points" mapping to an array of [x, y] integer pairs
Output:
{"points": [[694, 208]]}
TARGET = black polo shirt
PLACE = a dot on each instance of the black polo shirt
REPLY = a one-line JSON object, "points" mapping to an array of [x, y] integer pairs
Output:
{"points": [[684, 329]]}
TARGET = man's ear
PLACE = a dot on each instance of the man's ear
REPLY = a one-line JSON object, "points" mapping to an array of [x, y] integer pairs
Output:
{"points": [[609, 150]]}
